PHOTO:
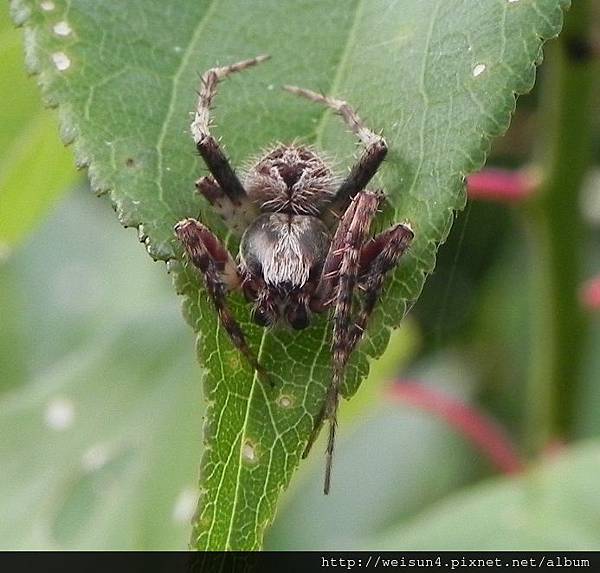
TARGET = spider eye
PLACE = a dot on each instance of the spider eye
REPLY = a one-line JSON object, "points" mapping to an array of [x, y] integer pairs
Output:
{"points": [[297, 316]]}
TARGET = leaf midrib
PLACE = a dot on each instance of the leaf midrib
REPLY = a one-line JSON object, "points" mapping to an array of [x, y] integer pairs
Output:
{"points": [[318, 137], [242, 440]]}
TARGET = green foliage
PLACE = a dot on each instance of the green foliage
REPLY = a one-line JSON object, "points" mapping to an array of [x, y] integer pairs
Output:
{"points": [[100, 417], [552, 507], [438, 77], [34, 169], [416, 490], [404, 504]]}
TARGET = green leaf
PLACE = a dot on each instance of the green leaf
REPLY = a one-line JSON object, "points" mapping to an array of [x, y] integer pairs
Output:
{"points": [[35, 169], [438, 77], [554, 507], [377, 487], [100, 418]]}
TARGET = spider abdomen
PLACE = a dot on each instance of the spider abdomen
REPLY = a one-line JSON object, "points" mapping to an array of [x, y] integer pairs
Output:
{"points": [[284, 249], [283, 252]]}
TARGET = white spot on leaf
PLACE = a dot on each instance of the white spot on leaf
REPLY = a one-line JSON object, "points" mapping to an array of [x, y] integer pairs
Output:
{"points": [[478, 70], [185, 505], [249, 453], [62, 28], [95, 457], [284, 401], [61, 61], [47, 6], [60, 413]]}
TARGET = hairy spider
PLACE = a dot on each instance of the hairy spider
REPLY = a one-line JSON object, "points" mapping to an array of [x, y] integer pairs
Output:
{"points": [[305, 245]]}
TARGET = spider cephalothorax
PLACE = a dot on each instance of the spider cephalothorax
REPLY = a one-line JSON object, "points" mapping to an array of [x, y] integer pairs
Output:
{"points": [[291, 179], [305, 245]]}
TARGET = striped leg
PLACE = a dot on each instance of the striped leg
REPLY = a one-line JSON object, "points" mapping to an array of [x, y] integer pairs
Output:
{"points": [[379, 256], [371, 158], [207, 145], [341, 271], [212, 259]]}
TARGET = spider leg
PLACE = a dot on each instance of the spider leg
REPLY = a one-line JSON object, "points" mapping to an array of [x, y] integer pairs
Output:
{"points": [[344, 255], [212, 259], [377, 258], [324, 296], [207, 145], [237, 217], [380, 255], [371, 158], [328, 280]]}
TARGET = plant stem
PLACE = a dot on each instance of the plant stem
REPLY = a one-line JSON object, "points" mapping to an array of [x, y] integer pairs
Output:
{"points": [[472, 424], [559, 325]]}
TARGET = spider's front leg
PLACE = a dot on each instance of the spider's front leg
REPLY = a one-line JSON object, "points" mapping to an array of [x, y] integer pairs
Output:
{"points": [[369, 161], [223, 190], [212, 259], [236, 216]]}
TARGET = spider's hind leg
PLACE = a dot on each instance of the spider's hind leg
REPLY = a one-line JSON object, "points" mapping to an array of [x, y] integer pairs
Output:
{"points": [[353, 265], [212, 259], [340, 275], [379, 256]]}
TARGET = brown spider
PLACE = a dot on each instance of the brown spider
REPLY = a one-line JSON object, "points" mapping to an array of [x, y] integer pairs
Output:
{"points": [[305, 245]]}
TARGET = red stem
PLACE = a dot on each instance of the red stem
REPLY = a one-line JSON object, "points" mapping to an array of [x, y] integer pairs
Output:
{"points": [[476, 427], [502, 185], [590, 294]]}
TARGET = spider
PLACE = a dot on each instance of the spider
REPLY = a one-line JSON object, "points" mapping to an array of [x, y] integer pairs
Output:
{"points": [[305, 246]]}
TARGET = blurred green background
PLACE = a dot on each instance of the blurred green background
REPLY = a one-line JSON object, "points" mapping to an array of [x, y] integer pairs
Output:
{"points": [[98, 414]]}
